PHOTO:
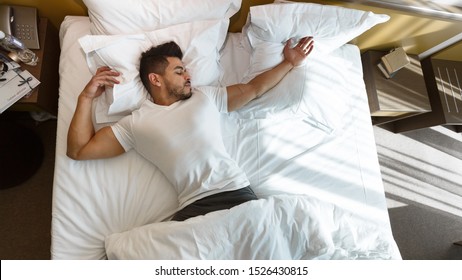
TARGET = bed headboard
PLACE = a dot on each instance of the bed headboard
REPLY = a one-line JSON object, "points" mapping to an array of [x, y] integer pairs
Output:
{"points": [[416, 33]]}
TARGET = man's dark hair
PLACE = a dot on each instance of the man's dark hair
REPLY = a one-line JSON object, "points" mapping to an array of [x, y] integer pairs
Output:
{"points": [[155, 60]]}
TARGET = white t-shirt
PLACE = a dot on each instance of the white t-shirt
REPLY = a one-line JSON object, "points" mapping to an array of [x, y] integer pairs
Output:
{"points": [[184, 141]]}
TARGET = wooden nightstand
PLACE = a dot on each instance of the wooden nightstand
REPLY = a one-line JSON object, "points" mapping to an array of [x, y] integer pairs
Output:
{"points": [[402, 96], [444, 84], [45, 96]]}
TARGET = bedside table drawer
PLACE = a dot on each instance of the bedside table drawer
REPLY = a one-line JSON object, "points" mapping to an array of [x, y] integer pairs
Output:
{"points": [[445, 79]]}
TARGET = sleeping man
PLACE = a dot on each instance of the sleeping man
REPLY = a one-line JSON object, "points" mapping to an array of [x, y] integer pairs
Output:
{"points": [[178, 128]]}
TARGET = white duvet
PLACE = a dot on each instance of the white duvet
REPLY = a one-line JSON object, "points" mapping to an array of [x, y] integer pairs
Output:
{"points": [[279, 227]]}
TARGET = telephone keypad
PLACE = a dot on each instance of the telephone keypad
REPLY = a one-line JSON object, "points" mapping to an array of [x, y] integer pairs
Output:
{"points": [[24, 32]]}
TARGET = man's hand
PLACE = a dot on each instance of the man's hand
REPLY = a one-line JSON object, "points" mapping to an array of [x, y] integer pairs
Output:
{"points": [[82, 141], [297, 54], [104, 76]]}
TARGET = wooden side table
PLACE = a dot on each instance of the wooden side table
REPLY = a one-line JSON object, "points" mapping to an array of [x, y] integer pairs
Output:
{"points": [[444, 83], [45, 96], [402, 96]]}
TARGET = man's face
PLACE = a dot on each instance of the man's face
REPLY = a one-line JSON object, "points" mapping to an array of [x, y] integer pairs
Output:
{"points": [[176, 79]]}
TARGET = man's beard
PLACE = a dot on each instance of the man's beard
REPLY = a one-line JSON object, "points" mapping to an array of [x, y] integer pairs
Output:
{"points": [[180, 93]]}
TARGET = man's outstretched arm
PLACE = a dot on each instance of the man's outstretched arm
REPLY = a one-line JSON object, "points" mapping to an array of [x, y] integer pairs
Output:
{"points": [[241, 94], [82, 141]]}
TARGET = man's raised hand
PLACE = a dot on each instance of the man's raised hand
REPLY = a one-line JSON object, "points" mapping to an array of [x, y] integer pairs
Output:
{"points": [[297, 54], [103, 77]]}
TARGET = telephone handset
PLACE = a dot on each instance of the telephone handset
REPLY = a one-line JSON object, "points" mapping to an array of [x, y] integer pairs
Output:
{"points": [[22, 23]]}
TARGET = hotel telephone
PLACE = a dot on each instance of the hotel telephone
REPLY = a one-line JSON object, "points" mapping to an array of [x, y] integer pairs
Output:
{"points": [[22, 23]]}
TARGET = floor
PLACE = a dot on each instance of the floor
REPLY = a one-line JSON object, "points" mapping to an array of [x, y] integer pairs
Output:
{"points": [[25, 210], [421, 171]]}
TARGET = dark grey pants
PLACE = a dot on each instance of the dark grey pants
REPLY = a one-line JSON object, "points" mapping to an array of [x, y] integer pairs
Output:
{"points": [[219, 201]]}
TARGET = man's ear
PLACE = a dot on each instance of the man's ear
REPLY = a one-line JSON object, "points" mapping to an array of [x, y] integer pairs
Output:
{"points": [[154, 79]]}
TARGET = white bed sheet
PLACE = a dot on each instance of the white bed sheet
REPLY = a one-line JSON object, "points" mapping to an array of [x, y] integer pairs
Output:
{"points": [[94, 199]]}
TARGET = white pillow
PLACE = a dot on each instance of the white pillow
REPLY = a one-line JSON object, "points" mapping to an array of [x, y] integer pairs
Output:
{"points": [[313, 90], [110, 17], [331, 26], [200, 42]]}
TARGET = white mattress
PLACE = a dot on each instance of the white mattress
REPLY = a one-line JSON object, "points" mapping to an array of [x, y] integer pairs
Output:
{"points": [[95, 202]]}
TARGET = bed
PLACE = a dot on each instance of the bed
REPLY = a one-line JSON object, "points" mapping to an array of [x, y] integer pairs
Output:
{"points": [[310, 155]]}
